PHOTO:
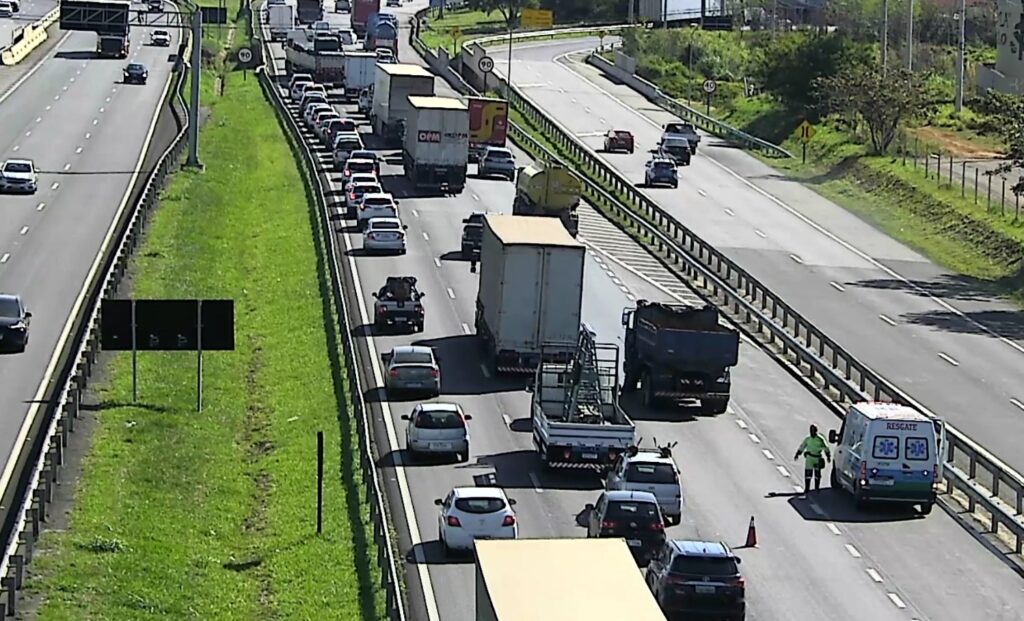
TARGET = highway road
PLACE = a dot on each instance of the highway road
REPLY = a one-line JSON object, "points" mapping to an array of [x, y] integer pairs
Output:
{"points": [[31, 10], [86, 132], [818, 558], [928, 331]]}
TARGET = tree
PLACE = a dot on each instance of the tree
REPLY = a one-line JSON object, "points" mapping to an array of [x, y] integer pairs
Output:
{"points": [[1011, 118], [510, 10], [883, 103], [790, 66]]}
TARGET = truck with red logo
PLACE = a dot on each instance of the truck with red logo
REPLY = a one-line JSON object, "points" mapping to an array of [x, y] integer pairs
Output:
{"points": [[488, 125], [361, 12], [436, 143]]}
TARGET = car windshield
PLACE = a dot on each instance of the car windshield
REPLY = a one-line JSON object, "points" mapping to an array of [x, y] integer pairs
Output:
{"points": [[676, 145], [347, 144], [705, 566], [161, 33], [17, 167], [629, 510], [378, 202], [665, 165], [439, 419], [364, 155], [413, 357], [479, 505], [360, 166], [499, 155], [651, 473], [387, 224], [134, 67], [678, 128], [359, 190], [622, 134], [9, 308]]}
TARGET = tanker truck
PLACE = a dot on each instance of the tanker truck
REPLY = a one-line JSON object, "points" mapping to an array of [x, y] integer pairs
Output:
{"points": [[548, 189]]}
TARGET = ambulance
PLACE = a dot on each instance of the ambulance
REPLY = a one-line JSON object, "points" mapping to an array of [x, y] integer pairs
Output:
{"points": [[887, 452]]}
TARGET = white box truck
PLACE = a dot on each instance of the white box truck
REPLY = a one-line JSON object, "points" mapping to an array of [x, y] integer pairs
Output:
{"points": [[360, 68], [533, 579], [531, 292], [280, 21], [436, 149], [656, 11], [391, 89]]}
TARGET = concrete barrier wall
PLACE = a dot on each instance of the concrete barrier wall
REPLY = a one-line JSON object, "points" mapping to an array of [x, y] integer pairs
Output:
{"points": [[32, 36]]}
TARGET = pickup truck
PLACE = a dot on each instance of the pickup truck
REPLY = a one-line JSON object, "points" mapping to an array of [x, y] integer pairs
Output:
{"points": [[685, 131], [398, 304]]}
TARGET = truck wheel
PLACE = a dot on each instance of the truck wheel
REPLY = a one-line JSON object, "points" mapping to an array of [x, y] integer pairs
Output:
{"points": [[926, 508], [650, 401]]}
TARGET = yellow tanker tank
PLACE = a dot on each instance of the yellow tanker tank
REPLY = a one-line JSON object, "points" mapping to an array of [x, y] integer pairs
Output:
{"points": [[546, 189]]}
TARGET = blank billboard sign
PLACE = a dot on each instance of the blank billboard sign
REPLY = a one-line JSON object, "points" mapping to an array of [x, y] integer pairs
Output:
{"points": [[168, 325]]}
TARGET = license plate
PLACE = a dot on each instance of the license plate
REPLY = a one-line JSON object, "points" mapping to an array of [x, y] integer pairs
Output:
{"points": [[590, 456], [440, 446], [414, 384], [400, 319], [705, 590], [634, 543], [883, 482]]}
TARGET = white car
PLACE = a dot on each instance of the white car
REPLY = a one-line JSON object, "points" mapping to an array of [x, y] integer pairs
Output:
{"points": [[361, 179], [321, 119], [160, 38], [298, 77], [376, 206], [298, 89], [354, 166], [20, 176], [394, 3], [309, 115], [343, 147], [365, 103], [438, 428], [6, 9], [384, 235], [651, 471], [354, 194], [384, 54], [471, 513]]}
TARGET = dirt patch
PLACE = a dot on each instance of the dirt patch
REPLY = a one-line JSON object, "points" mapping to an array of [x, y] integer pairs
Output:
{"points": [[959, 147], [259, 448]]}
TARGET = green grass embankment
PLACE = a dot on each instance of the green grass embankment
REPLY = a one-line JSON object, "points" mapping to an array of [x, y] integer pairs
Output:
{"points": [[211, 515]]}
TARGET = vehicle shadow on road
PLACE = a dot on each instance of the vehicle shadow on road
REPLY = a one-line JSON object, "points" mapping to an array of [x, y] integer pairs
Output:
{"points": [[462, 370], [408, 460], [432, 553], [522, 470], [828, 505], [76, 55], [633, 406]]}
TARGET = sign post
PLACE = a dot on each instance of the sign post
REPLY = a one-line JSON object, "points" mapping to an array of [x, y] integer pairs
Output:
{"points": [[709, 88], [199, 356], [135, 359], [805, 131], [486, 65], [455, 33]]}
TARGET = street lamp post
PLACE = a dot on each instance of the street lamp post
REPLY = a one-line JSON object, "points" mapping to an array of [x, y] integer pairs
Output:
{"points": [[961, 59]]}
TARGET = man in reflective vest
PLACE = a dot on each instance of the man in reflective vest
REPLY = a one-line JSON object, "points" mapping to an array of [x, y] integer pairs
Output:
{"points": [[812, 448]]}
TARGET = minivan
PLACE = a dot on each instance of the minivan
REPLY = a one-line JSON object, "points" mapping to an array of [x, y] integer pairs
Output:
{"points": [[888, 452]]}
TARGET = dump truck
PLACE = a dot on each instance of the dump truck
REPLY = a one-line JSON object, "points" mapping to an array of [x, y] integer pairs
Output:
{"points": [[361, 12], [436, 143], [392, 86], [360, 69], [309, 11], [488, 125], [679, 353], [531, 292], [577, 420], [551, 190], [326, 67], [533, 579]]}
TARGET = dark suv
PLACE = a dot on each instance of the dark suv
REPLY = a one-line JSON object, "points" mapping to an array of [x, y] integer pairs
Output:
{"points": [[472, 235], [14, 323], [634, 516], [697, 579], [135, 73]]}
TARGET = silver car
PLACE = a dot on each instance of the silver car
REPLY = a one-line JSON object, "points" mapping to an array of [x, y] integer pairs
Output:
{"points": [[497, 162], [355, 193], [412, 368], [438, 428], [384, 235]]}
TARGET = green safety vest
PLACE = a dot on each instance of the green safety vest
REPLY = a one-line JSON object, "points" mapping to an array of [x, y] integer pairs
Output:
{"points": [[812, 447]]}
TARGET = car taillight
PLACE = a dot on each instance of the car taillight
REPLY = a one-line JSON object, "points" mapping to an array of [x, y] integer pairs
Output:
{"points": [[736, 582], [658, 527], [935, 473], [510, 520], [609, 524], [434, 373], [863, 472], [419, 310], [393, 372], [371, 236], [454, 521], [567, 453], [352, 195]]}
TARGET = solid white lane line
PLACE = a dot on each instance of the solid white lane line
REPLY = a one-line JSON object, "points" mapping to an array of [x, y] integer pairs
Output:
{"points": [[837, 286], [835, 529], [451, 293], [896, 601], [949, 359], [887, 320], [852, 550], [874, 574]]}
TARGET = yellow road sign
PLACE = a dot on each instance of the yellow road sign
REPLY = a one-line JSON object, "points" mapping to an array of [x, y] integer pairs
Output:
{"points": [[456, 32], [806, 131], [537, 18]]}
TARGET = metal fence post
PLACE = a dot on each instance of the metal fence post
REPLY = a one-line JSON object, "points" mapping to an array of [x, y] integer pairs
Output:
{"points": [[975, 186], [963, 178]]}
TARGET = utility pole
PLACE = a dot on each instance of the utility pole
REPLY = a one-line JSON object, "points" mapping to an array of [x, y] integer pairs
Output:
{"points": [[885, 36], [629, 16], [961, 59], [664, 14], [197, 72], [910, 37]]}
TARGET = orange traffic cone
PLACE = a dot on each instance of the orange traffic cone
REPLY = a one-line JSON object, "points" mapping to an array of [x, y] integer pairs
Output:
{"points": [[751, 535]]}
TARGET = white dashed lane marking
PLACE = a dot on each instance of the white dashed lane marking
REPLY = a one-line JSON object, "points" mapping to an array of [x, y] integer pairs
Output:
{"points": [[760, 234], [874, 574], [451, 293], [852, 550], [741, 424], [24, 230], [887, 320], [465, 328], [837, 286], [55, 185], [5, 258], [67, 166], [78, 150], [437, 262], [835, 529], [40, 206], [797, 259], [1017, 403], [754, 438], [425, 236], [949, 359], [767, 454], [896, 601], [16, 147]]}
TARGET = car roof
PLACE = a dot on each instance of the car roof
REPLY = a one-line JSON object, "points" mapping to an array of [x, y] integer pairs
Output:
{"points": [[438, 407], [359, 160], [380, 195], [136, 65], [479, 492], [649, 457], [408, 349], [19, 161], [366, 182], [705, 549], [878, 410], [164, 32], [625, 495], [385, 219], [10, 296]]}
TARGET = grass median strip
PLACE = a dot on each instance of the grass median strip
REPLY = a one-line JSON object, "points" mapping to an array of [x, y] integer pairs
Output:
{"points": [[211, 515]]}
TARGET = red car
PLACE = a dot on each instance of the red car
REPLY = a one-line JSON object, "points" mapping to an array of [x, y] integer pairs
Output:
{"points": [[618, 140]]}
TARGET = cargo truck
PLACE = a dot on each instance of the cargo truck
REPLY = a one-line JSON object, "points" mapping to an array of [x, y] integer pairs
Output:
{"points": [[436, 143], [392, 86], [534, 579], [548, 189], [309, 11], [280, 21], [359, 72], [113, 46], [384, 35], [488, 125], [531, 291], [577, 420], [326, 67], [361, 12], [679, 353]]}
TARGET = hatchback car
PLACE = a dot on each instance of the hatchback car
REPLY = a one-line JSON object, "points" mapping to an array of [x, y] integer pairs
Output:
{"points": [[135, 73], [675, 149], [412, 368], [365, 102], [376, 206], [354, 196], [343, 147], [697, 578], [353, 166], [618, 140], [650, 471], [373, 156], [438, 428], [634, 516], [310, 111], [384, 235], [322, 118], [14, 323], [497, 162], [661, 171], [384, 54], [160, 38], [19, 176], [471, 513], [360, 178], [298, 87], [298, 77]]}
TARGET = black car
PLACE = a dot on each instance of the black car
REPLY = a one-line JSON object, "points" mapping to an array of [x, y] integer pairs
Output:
{"points": [[697, 579], [472, 235], [14, 322], [135, 73], [634, 516]]}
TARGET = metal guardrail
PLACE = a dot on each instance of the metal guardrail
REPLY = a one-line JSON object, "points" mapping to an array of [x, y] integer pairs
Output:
{"points": [[386, 549], [819, 360], [42, 459]]}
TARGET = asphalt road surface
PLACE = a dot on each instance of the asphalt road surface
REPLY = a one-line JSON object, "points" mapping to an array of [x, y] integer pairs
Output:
{"points": [[928, 331], [85, 131], [818, 556]]}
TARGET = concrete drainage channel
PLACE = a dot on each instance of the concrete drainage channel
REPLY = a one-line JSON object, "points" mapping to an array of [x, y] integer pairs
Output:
{"points": [[974, 479]]}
